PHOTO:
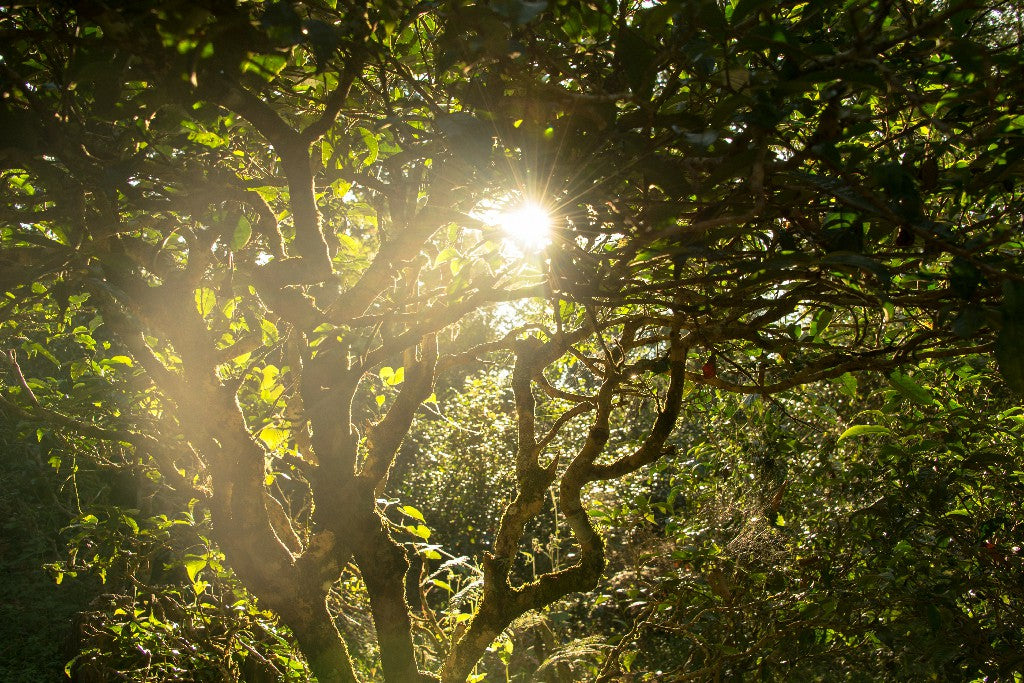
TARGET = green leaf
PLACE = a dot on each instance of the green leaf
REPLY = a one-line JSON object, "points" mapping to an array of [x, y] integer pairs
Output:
{"points": [[207, 139], [243, 231], [412, 512], [206, 301], [270, 388], [273, 437], [228, 309], [194, 566], [268, 192], [372, 145], [860, 430], [848, 384], [419, 530], [350, 244], [37, 348], [911, 389], [340, 188], [270, 333], [131, 523], [446, 255], [267, 66]]}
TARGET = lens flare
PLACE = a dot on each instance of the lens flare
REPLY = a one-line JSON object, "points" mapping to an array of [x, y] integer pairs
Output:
{"points": [[527, 225]]}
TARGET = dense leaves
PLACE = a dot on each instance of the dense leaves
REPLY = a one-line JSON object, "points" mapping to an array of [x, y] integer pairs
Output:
{"points": [[780, 554], [241, 242]]}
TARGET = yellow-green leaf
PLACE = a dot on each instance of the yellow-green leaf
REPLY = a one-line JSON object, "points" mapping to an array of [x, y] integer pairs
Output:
{"points": [[206, 301], [273, 437], [410, 511], [270, 333], [858, 430], [193, 567], [419, 530], [242, 233], [372, 146], [911, 389]]}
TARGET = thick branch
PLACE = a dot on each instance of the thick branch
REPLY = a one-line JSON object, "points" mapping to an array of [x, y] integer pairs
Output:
{"points": [[832, 367], [294, 150], [328, 386], [501, 603], [383, 565], [400, 248], [335, 101], [652, 447], [384, 438]]}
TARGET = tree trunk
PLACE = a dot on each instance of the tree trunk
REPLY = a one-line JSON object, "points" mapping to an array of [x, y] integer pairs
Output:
{"points": [[323, 646], [383, 565]]}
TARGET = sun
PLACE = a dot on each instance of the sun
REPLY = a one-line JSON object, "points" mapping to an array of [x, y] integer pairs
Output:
{"points": [[527, 225]]}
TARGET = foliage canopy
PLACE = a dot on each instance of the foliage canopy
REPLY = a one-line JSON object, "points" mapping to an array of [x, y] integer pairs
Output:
{"points": [[255, 228]]}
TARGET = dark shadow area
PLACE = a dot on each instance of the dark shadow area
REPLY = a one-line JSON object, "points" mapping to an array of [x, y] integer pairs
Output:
{"points": [[36, 614]]}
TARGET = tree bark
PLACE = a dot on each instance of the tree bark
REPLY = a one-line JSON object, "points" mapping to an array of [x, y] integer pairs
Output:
{"points": [[325, 650], [383, 567]]}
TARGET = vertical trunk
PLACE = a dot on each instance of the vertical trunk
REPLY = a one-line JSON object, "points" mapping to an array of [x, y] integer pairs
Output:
{"points": [[383, 565], [322, 645]]}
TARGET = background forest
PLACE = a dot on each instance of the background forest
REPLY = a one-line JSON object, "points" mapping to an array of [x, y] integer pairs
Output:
{"points": [[773, 548], [511, 340]]}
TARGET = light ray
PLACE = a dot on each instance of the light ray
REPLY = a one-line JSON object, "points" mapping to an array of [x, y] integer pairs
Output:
{"points": [[527, 225]]}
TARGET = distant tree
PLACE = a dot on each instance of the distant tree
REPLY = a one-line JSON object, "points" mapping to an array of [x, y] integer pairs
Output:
{"points": [[258, 224]]}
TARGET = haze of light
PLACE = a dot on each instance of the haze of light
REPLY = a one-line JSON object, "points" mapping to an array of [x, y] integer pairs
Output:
{"points": [[528, 226]]}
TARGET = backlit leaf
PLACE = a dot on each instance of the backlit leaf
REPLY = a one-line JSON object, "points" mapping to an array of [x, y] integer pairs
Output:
{"points": [[206, 301], [860, 430]]}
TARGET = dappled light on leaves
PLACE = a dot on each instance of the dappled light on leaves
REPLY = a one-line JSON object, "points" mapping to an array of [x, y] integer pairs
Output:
{"points": [[310, 271]]}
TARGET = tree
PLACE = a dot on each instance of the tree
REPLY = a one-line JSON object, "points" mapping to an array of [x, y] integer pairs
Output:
{"points": [[259, 224], [847, 532]]}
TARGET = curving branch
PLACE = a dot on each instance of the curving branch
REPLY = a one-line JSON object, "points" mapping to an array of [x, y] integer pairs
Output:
{"points": [[653, 446], [294, 151], [384, 437]]}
